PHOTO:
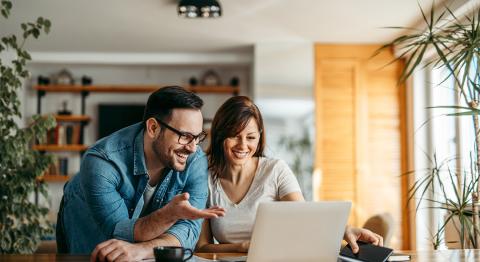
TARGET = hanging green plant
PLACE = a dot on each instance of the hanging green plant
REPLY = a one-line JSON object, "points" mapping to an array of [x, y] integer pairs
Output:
{"points": [[22, 222]]}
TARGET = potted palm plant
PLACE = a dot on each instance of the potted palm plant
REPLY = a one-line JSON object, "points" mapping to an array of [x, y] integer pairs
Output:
{"points": [[456, 44], [22, 222]]}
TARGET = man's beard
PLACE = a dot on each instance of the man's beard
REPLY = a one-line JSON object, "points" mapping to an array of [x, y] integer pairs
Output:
{"points": [[162, 156]]}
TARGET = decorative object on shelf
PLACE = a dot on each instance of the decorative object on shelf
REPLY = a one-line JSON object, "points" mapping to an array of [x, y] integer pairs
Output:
{"points": [[22, 223], [199, 9], [64, 111], [455, 45], [64, 77], [86, 80], [193, 81], [211, 78], [234, 81], [43, 80]]}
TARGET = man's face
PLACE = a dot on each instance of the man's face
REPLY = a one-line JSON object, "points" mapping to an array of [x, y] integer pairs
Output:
{"points": [[166, 147]]}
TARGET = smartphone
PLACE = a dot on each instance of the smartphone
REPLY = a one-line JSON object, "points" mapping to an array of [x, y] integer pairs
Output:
{"points": [[367, 252]]}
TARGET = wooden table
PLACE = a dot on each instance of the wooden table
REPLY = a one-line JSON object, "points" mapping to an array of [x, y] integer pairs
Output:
{"points": [[454, 255], [421, 256]]}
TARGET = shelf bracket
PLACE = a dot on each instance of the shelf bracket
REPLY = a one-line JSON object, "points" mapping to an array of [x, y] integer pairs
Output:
{"points": [[40, 94], [84, 96]]}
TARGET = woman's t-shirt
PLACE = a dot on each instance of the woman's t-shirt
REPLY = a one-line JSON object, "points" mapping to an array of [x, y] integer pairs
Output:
{"points": [[273, 180]]}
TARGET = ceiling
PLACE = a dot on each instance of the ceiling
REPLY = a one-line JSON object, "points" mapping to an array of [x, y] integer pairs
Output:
{"points": [[153, 26]]}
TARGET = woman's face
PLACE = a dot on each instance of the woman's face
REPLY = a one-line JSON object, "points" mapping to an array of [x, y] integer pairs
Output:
{"points": [[241, 148]]}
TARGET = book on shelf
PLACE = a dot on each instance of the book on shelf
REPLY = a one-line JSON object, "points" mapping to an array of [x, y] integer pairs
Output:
{"points": [[59, 167], [69, 134], [54, 168], [64, 134], [62, 139], [52, 136], [63, 166], [76, 134]]}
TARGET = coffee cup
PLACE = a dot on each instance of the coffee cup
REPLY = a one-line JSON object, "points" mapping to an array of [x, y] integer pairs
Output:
{"points": [[172, 254]]}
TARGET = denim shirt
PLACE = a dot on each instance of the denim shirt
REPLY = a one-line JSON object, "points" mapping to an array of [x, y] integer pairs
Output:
{"points": [[104, 200]]}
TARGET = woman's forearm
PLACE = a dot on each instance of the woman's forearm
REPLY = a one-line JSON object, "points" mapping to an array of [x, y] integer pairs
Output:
{"points": [[224, 248]]}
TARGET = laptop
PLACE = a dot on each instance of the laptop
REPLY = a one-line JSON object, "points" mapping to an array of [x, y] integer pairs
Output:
{"points": [[297, 231]]}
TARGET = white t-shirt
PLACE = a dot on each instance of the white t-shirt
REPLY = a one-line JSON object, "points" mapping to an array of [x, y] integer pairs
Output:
{"points": [[273, 180], [147, 195]]}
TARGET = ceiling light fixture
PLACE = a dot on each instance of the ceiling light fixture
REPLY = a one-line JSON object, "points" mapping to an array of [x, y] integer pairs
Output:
{"points": [[199, 9]]}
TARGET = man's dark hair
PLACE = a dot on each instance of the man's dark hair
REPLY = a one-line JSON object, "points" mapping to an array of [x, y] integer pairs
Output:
{"points": [[161, 102]]}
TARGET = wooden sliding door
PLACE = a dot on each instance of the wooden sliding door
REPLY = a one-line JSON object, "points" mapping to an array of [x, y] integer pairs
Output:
{"points": [[358, 151]]}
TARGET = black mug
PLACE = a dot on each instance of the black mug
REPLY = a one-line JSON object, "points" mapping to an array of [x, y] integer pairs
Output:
{"points": [[171, 254]]}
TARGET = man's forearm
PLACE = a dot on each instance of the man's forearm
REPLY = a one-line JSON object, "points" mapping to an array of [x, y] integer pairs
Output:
{"points": [[154, 225], [163, 240]]}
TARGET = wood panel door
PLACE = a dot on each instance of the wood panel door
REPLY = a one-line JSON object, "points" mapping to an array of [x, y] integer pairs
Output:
{"points": [[358, 151]]}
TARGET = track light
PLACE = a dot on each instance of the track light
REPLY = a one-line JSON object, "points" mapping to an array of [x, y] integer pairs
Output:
{"points": [[199, 8]]}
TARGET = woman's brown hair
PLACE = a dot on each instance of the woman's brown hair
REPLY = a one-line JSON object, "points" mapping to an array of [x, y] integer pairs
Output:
{"points": [[231, 118]]}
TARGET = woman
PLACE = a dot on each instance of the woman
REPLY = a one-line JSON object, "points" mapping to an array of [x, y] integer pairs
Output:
{"points": [[241, 177]]}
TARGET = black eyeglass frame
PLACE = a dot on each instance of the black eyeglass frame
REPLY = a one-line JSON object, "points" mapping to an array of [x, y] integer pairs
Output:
{"points": [[198, 138]]}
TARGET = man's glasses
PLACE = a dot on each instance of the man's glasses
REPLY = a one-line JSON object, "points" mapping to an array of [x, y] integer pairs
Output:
{"points": [[184, 138]]}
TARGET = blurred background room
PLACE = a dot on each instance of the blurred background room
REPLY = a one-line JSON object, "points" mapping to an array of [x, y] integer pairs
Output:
{"points": [[339, 116]]}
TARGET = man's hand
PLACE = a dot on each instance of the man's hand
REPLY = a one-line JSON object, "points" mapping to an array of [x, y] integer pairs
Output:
{"points": [[181, 208], [158, 222], [118, 250], [353, 234]]}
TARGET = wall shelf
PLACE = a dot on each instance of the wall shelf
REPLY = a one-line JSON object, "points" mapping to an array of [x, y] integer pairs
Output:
{"points": [[132, 89], [53, 178], [60, 148], [214, 89], [72, 118]]}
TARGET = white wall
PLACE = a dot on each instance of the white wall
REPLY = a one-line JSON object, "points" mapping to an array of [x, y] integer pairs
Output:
{"points": [[283, 80], [283, 70]]}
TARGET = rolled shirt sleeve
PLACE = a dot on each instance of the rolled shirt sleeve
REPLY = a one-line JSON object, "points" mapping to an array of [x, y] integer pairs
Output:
{"points": [[100, 181], [185, 230], [124, 230]]}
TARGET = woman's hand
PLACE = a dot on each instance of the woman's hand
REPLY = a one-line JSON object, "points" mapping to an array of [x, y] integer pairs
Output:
{"points": [[352, 235]]}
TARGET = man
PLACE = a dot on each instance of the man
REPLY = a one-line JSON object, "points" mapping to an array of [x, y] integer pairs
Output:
{"points": [[143, 186]]}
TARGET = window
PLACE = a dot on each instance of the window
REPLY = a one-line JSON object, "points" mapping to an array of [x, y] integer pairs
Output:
{"points": [[448, 140]]}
